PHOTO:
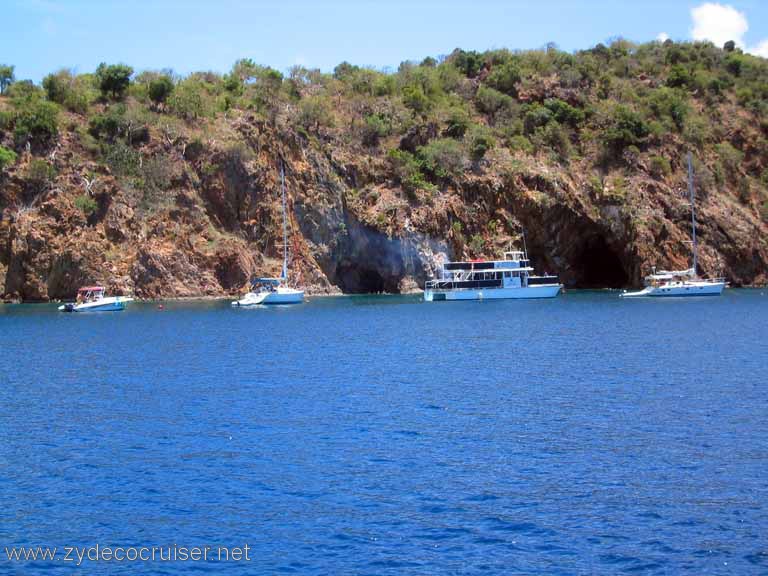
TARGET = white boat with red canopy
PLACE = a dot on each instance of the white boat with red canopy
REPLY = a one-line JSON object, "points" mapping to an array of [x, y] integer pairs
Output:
{"points": [[92, 299]]}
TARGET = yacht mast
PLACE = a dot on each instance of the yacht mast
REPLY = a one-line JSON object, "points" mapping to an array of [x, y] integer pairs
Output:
{"points": [[693, 210], [285, 226]]}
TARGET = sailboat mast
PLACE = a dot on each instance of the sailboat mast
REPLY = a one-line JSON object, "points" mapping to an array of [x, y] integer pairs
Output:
{"points": [[693, 211], [285, 225]]}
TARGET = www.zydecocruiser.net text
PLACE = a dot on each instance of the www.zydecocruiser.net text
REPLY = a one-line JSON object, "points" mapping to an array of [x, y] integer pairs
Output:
{"points": [[78, 555]]}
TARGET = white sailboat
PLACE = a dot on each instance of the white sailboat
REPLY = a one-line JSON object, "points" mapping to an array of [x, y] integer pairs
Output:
{"points": [[272, 290], [668, 283]]}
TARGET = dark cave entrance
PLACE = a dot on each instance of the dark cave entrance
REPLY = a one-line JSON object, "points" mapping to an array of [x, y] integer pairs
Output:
{"points": [[599, 266], [354, 278]]}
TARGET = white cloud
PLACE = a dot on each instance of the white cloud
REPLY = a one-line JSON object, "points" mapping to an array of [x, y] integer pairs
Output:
{"points": [[719, 23], [663, 36], [760, 50]]}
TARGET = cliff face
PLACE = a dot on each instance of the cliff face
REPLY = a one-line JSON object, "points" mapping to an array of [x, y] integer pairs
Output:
{"points": [[200, 214], [352, 228]]}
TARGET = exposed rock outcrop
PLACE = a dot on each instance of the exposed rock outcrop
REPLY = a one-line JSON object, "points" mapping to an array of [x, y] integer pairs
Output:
{"points": [[352, 226]]}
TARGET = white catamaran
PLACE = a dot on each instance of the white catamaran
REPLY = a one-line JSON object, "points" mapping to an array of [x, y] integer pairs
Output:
{"points": [[490, 280], [273, 290], [666, 283]]}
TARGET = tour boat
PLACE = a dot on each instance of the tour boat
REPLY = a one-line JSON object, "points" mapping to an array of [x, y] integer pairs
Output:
{"points": [[668, 283], [92, 299], [489, 280], [271, 290]]}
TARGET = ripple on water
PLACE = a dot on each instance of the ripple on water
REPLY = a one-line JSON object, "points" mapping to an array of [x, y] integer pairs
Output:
{"points": [[582, 435]]}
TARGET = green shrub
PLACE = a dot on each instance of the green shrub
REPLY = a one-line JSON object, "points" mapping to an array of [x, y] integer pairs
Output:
{"points": [[564, 112], [492, 102], [668, 103], [315, 112], [480, 141], [384, 85], [521, 143], [190, 100], [557, 138], [157, 172], [122, 159], [86, 204], [23, 90], [734, 64], [536, 116], [627, 128], [678, 76], [469, 63], [505, 78], [109, 125], [36, 121], [697, 130], [160, 89], [375, 127], [660, 167], [444, 157], [7, 157], [476, 244], [39, 174], [408, 170], [58, 85], [6, 119], [457, 123], [415, 99], [730, 157]]}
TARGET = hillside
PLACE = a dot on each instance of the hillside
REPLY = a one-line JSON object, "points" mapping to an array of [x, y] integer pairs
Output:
{"points": [[163, 186]]}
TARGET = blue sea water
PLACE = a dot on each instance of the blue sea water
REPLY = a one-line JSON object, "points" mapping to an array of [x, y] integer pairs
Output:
{"points": [[382, 435]]}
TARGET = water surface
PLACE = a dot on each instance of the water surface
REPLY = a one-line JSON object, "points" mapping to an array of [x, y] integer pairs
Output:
{"points": [[382, 435]]}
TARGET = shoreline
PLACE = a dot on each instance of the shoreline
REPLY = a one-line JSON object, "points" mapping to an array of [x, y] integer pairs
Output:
{"points": [[206, 298]]}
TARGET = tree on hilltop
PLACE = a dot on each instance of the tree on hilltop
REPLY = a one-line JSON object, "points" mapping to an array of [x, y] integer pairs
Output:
{"points": [[6, 77], [113, 79]]}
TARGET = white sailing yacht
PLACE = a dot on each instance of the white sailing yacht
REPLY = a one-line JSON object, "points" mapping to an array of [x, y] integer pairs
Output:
{"points": [[273, 290], [665, 283]]}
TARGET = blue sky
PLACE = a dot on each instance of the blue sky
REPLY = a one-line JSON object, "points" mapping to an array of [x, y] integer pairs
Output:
{"points": [[41, 36]]}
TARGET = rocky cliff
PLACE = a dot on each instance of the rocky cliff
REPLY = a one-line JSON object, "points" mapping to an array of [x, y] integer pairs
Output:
{"points": [[187, 207]]}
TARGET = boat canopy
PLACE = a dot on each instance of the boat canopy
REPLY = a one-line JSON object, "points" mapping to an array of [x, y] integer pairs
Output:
{"points": [[271, 281], [91, 289]]}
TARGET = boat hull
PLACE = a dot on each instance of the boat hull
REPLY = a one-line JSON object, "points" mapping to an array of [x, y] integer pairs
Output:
{"points": [[281, 296], [530, 292], [109, 304], [677, 290]]}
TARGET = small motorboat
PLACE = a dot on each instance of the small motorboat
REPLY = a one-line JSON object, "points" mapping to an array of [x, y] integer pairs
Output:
{"points": [[92, 299]]}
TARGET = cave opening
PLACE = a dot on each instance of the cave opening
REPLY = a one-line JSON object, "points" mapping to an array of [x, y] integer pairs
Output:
{"points": [[354, 278], [600, 266]]}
